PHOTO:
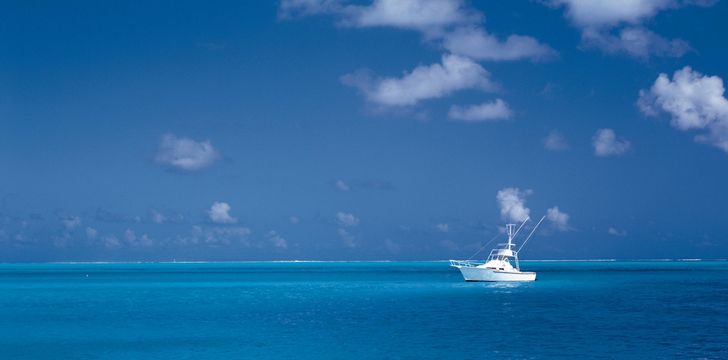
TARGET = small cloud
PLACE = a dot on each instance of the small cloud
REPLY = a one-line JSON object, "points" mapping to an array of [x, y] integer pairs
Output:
{"points": [[158, 217], [294, 220], [487, 111], [185, 154], [512, 203], [606, 143], [276, 240], [91, 233], [616, 232], [220, 213], [558, 218], [425, 82], [346, 219], [555, 141], [348, 238], [133, 240], [216, 236], [111, 242], [71, 222], [476, 43], [341, 185], [442, 227]]}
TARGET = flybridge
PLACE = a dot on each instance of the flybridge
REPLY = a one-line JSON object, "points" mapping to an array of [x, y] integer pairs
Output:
{"points": [[499, 264]]}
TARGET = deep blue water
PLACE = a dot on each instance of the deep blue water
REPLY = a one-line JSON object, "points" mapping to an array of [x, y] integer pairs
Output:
{"points": [[399, 310]]}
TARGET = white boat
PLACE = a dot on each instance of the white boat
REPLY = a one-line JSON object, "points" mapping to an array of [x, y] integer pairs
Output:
{"points": [[500, 263]]}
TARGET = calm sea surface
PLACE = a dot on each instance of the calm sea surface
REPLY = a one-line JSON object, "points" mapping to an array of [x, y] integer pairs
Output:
{"points": [[397, 310]]}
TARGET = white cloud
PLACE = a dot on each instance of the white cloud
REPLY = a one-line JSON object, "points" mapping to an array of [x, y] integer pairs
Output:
{"points": [[216, 236], [454, 73], [599, 20], [111, 242], [346, 219], [512, 203], [342, 185], [606, 143], [294, 220], [488, 111], [558, 218], [635, 41], [476, 43], [616, 232], [71, 222], [91, 233], [443, 227], [451, 22], [276, 240], [133, 240], [185, 154], [429, 16], [348, 238], [599, 13], [158, 217], [555, 141], [220, 213], [694, 101], [423, 15], [129, 235]]}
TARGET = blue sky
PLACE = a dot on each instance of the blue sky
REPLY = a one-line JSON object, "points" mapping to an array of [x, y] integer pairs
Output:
{"points": [[332, 129]]}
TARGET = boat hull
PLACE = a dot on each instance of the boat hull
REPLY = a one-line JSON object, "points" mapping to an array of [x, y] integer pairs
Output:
{"points": [[484, 274]]}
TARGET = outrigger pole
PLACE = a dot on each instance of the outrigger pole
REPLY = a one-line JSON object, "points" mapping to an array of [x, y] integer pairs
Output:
{"points": [[532, 231]]}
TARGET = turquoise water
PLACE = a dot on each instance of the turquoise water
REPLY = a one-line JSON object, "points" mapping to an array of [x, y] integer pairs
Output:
{"points": [[398, 310]]}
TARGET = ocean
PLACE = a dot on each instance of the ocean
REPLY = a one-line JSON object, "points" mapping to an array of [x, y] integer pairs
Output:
{"points": [[362, 310]]}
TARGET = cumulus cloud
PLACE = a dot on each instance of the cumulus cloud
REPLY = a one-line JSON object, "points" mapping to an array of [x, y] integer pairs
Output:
{"points": [[559, 218], [616, 26], [476, 43], [454, 73], [428, 16], [341, 185], [346, 219], [453, 24], [158, 217], [616, 232], [71, 222], [276, 239], [111, 242], [185, 154], [220, 213], [694, 101], [512, 203], [216, 236], [91, 233], [133, 240], [606, 143], [635, 41], [555, 141], [347, 237], [488, 111]]}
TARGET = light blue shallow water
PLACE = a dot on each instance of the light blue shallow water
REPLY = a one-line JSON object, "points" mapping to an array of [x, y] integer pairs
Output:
{"points": [[400, 310]]}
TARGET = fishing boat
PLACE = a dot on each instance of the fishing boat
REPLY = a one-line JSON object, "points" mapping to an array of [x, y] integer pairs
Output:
{"points": [[502, 263]]}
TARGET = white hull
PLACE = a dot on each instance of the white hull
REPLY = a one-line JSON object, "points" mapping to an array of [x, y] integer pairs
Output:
{"points": [[484, 274]]}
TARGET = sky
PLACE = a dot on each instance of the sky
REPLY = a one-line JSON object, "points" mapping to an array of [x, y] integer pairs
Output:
{"points": [[362, 130]]}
